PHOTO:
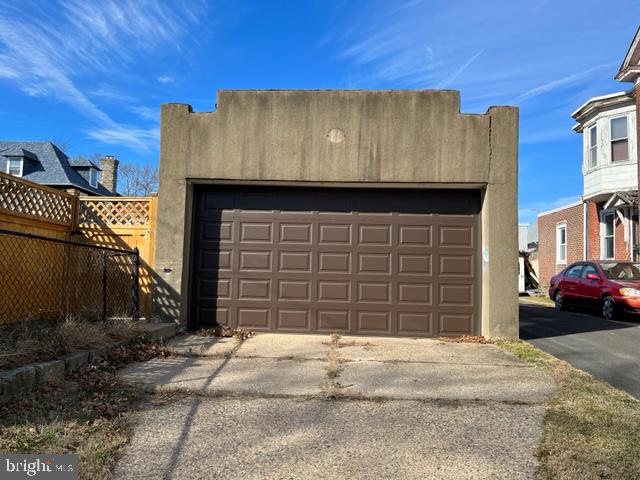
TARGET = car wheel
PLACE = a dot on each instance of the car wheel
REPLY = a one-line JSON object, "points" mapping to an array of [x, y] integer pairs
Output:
{"points": [[559, 301], [608, 308]]}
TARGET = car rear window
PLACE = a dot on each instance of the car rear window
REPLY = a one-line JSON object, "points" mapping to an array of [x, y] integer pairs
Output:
{"points": [[621, 270]]}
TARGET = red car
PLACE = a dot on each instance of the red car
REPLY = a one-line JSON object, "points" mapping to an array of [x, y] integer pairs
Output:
{"points": [[611, 286]]}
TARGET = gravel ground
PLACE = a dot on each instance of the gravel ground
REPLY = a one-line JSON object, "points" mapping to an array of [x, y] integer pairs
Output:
{"points": [[207, 438]]}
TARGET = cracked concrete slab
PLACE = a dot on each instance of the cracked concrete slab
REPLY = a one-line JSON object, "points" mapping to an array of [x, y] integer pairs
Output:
{"points": [[418, 381], [202, 346], [422, 350], [202, 438], [269, 345], [229, 376]]}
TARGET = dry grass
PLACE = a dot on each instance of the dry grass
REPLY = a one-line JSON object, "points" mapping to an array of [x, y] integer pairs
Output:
{"points": [[89, 415], [37, 340], [224, 331], [540, 300], [465, 339], [591, 430]]}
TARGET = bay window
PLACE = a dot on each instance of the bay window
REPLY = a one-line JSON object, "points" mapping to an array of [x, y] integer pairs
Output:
{"points": [[619, 140]]}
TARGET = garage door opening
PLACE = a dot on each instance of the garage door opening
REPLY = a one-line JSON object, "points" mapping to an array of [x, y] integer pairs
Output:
{"points": [[317, 260]]}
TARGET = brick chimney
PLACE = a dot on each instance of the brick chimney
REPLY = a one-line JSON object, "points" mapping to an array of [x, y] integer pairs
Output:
{"points": [[109, 165]]}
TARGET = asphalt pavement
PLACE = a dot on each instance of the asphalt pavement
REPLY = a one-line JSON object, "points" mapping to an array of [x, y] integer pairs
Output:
{"points": [[609, 350]]}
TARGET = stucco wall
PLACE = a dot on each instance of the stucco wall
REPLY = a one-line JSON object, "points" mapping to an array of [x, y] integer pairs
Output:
{"points": [[362, 137]]}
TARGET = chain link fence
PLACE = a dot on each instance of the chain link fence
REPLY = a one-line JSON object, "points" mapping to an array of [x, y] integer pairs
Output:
{"points": [[45, 278]]}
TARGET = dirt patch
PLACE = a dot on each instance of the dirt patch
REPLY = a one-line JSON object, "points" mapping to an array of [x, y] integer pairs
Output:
{"points": [[466, 339], [590, 428], [331, 387], [33, 341]]}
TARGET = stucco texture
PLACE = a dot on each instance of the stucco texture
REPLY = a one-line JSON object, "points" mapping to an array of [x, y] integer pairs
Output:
{"points": [[379, 138]]}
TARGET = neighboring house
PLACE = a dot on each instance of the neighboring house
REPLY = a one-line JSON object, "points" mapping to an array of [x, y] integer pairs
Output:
{"points": [[44, 163], [603, 223]]}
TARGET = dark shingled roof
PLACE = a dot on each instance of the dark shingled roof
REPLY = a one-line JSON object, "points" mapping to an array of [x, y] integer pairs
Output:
{"points": [[52, 166], [83, 162]]}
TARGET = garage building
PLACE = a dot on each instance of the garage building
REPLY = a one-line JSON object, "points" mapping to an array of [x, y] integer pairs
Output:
{"points": [[362, 212]]}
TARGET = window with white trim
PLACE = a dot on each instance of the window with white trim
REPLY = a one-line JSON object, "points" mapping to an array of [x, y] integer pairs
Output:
{"points": [[93, 177], [593, 147], [619, 140], [608, 236], [14, 166], [561, 243]]}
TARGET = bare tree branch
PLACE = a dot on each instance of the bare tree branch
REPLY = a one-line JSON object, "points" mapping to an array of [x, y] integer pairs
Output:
{"points": [[137, 180]]}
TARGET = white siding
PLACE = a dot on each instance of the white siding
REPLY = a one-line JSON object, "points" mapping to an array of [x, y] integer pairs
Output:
{"points": [[607, 176]]}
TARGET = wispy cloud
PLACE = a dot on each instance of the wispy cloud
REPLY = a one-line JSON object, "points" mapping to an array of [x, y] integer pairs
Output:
{"points": [[99, 37], [165, 79], [147, 113], [447, 81], [558, 83], [135, 138]]}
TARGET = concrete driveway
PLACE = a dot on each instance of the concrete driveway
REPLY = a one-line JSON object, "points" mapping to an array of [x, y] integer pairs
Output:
{"points": [[607, 349], [310, 406]]}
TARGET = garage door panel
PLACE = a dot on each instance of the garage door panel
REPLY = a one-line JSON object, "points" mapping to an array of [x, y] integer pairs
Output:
{"points": [[251, 232], [293, 319], [334, 320], [334, 234], [263, 262], [415, 323], [456, 266], [414, 293], [254, 289], [374, 322], [374, 263], [216, 260], [212, 289], [456, 236], [332, 291], [255, 261], [375, 235], [374, 292], [455, 323], [334, 262], [298, 262], [414, 264], [257, 318], [299, 290], [295, 233], [217, 231], [452, 295], [414, 236]]}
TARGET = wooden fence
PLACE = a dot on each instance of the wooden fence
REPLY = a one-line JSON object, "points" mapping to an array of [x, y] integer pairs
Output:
{"points": [[116, 222]]}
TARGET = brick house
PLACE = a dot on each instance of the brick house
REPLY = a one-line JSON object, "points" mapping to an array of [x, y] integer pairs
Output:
{"points": [[603, 224]]}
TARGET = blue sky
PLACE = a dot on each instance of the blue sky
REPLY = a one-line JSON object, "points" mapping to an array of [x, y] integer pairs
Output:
{"points": [[92, 74]]}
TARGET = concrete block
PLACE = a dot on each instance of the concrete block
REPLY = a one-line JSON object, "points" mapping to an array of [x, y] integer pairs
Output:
{"points": [[17, 381], [159, 331], [229, 376], [74, 361], [47, 372], [422, 381], [273, 345], [97, 354], [194, 345]]}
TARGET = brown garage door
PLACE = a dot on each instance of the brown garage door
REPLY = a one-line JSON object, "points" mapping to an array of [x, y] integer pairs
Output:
{"points": [[364, 261]]}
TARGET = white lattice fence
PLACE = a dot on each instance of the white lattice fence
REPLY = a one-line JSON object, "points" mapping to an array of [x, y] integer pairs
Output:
{"points": [[18, 196]]}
